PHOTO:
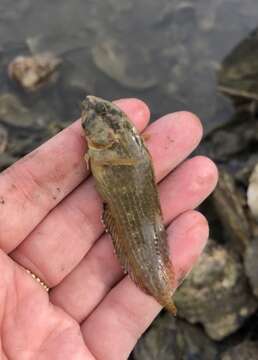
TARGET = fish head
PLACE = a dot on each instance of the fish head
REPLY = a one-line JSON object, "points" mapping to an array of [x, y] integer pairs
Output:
{"points": [[101, 122]]}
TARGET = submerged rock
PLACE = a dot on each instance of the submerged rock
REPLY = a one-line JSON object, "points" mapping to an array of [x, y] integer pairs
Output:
{"points": [[13, 112], [216, 293], [31, 72], [234, 139], [173, 339], [247, 350], [252, 193], [239, 72], [243, 166], [130, 66], [251, 267], [229, 204]]}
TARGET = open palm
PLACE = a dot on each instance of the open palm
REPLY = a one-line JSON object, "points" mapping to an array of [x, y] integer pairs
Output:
{"points": [[50, 224]]}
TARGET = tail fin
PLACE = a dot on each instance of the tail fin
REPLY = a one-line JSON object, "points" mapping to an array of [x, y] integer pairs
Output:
{"points": [[171, 307], [168, 302]]}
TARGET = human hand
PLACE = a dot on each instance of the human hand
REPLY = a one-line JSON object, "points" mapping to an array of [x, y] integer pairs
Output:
{"points": [[50, 223]]}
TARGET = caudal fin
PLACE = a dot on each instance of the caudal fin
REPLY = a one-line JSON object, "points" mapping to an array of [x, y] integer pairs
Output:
{"points": [[171, 307]]}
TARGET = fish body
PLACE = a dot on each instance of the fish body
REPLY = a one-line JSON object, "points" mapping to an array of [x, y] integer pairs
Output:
{"points": [[122, 168]]}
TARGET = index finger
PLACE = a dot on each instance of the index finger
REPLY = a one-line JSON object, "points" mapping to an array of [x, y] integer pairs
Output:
{"points": [[34, 185]]}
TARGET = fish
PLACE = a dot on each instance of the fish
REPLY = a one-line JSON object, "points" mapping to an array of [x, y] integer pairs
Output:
{"points": [[124, 177]]}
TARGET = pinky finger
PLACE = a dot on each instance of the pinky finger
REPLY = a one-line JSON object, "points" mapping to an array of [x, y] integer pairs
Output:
{"points": [[126, 311]]}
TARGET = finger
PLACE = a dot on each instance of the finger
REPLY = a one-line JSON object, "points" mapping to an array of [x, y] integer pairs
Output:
{"points": [[126, 311], [37, 183], [84, 288], [78, 217], [30, 325], [173, 137]]}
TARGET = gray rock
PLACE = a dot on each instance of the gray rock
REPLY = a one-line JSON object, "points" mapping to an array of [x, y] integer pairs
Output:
{"points": [[31, 72], [247, 350], [229, 204], [173, 339], [6, 160], [129, 65], [243, 167], [13, 112], [251, 267], [239, 71], [216, 293]]}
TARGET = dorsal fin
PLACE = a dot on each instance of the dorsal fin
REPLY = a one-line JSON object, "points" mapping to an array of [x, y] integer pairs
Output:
{"points": [[111, 227]]}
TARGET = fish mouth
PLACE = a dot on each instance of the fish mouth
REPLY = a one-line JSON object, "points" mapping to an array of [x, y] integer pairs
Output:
{"points": [[95, 104], [88, 106], [93, 101], [89, 102]]}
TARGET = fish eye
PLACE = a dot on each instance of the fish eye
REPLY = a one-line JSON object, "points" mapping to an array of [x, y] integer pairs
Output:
{"points": [[100, 108]]}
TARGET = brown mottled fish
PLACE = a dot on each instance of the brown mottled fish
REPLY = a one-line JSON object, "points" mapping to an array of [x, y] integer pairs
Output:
{"points": [[122, 168]]}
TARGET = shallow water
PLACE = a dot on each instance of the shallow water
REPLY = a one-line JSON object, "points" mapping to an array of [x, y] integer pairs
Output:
{"points": [[166, 53]]}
